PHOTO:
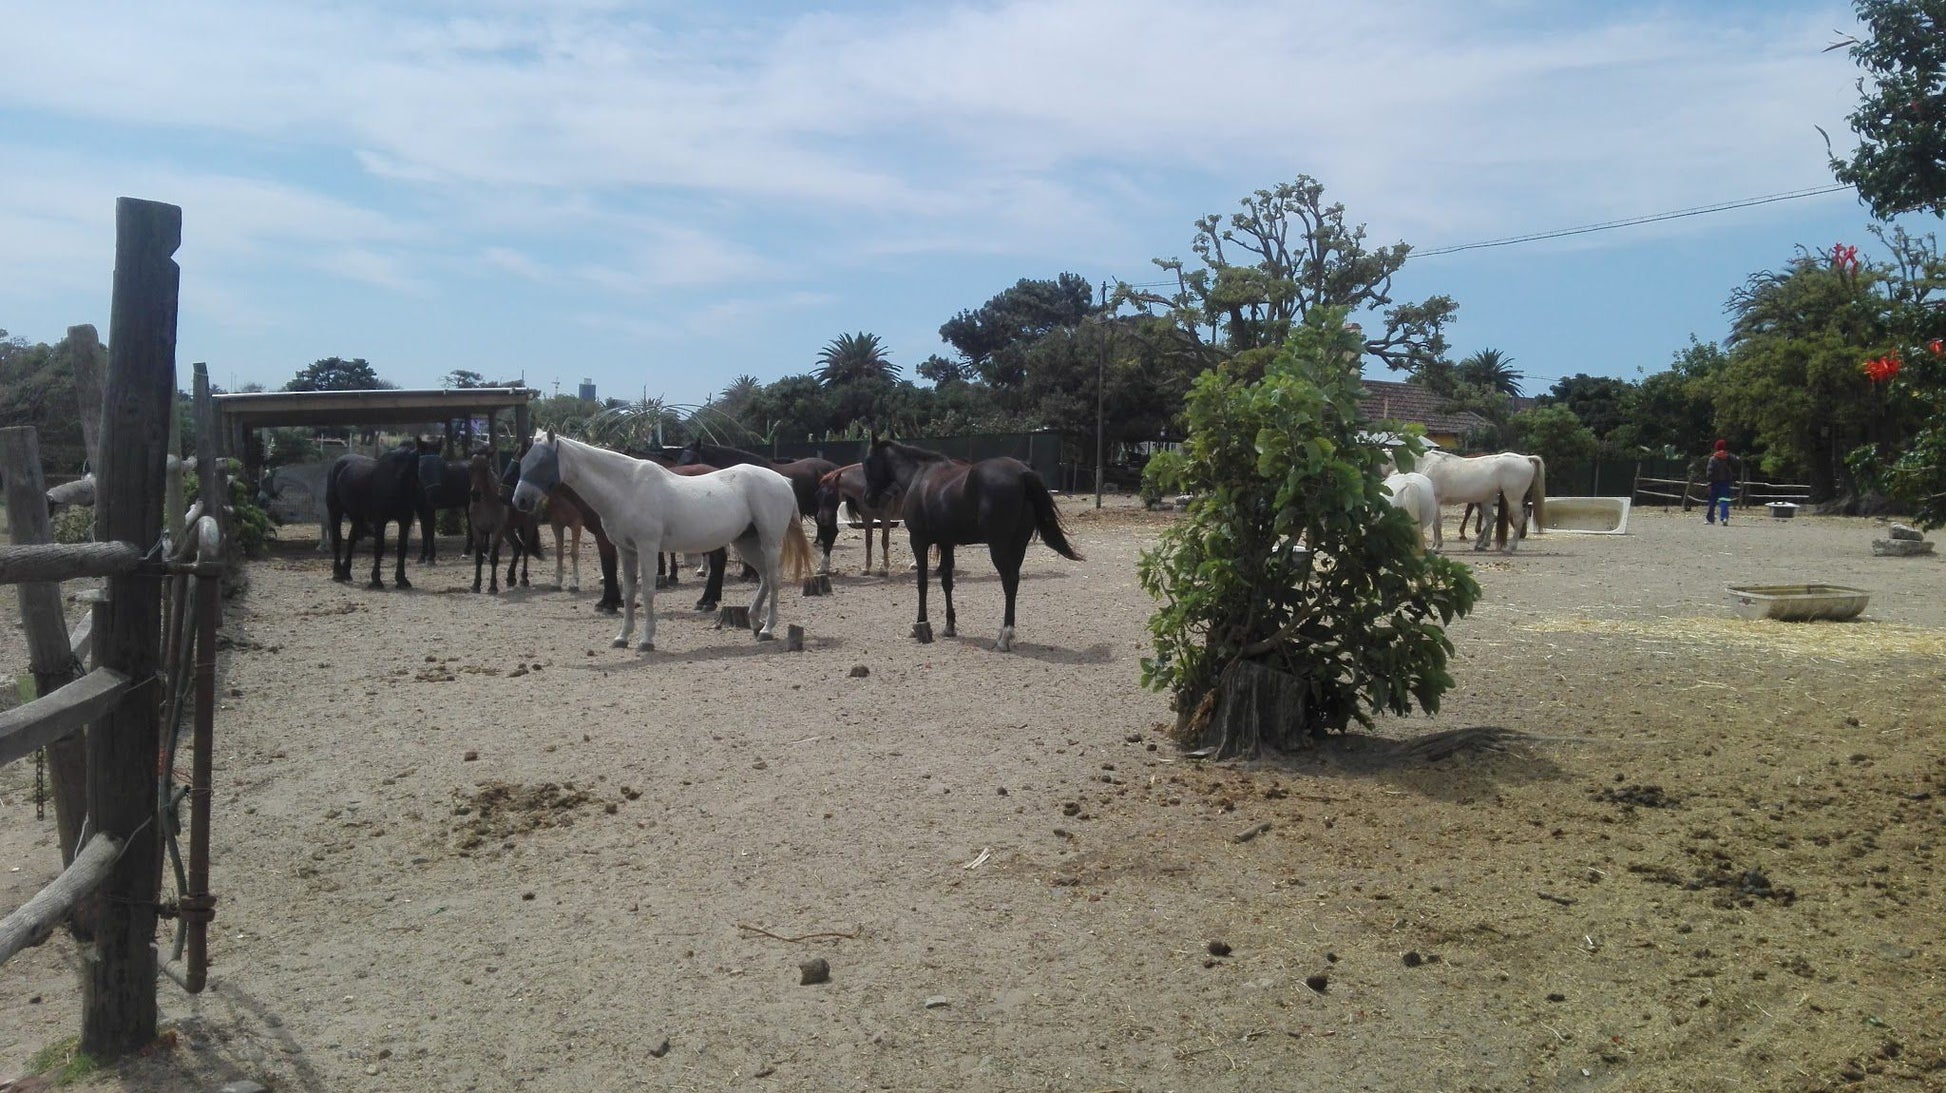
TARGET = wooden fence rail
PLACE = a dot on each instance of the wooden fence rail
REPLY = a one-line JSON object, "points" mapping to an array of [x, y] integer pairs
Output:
{"points": [[66, 561], [53, 904], [26, 729]]}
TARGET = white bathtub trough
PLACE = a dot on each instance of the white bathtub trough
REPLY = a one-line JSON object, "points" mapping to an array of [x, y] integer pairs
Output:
{"points": [[1588, 515], [1798, 602]]}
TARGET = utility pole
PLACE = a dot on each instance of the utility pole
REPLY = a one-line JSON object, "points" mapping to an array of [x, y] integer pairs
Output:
{"points": [[1101, 395]]}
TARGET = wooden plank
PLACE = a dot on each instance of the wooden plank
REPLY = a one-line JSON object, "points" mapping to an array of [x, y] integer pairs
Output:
{"points": [[118, 1007], [90, 362], [55, 716], [51, 905], [50, 654], [65, 561]]}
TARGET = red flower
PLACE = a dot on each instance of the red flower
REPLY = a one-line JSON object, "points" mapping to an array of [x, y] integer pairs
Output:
{"points": [[1937, 346], [1844, 259], [1881, 369]]}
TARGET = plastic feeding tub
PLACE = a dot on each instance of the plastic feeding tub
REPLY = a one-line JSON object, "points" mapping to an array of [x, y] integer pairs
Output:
{"points": [[1798, 602]]}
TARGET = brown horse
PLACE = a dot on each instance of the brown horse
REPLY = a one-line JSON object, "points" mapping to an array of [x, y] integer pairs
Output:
{"points": [[847, 485], [495, 521], [999, 502], [804, 474]]}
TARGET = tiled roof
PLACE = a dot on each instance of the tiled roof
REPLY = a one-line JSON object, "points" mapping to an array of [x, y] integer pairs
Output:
{"points": [[1389, 400]]}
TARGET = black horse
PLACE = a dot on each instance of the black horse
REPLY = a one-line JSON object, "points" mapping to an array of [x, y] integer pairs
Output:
{"points": [[373, 493], [442, 486], [999, 502], [804, 474]]}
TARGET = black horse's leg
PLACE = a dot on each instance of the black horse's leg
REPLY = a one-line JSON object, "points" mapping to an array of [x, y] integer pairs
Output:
{"points": [[921, 550], [717, 561], [946, 588], [1007, 559], [405, 543], [611, 586], [378, 553], [428, 516], [493, 562], [477, 549], [884, 547]]}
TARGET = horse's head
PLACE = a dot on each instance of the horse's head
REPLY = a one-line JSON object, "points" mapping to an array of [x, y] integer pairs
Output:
{"points": [[540, 471], [881, 471], [689, 454]]}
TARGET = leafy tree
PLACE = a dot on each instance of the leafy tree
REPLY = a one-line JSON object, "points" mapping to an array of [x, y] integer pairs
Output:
{"points": [[1906, 455], [1555, 434], [1293, 576], [1674, 411], [37, 389], [1140, 392], [1900, 163], [1792, 380], [1601, 402], [941, 372], [337, 374], [792, 408], [994, 339], [852, 359], [1489, 369], [463, 379], [1285, 255]]}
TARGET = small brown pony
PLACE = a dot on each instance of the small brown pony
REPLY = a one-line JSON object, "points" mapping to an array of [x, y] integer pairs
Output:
{"points": [[495, 521]]}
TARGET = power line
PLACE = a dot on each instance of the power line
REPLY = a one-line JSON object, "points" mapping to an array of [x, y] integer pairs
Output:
{"points": [[1609, 225]]}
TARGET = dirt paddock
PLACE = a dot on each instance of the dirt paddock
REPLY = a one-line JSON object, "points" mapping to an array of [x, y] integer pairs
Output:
{"points": [[462, 843]]}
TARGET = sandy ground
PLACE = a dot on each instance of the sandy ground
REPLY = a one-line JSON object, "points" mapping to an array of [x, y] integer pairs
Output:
{"points": [[461, 843]]}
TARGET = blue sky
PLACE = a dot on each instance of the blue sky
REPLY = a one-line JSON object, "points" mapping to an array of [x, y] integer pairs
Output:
{"points": [[663, 196]]}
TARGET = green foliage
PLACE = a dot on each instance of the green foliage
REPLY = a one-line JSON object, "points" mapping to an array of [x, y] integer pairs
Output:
{"points": [[64, 1062], [1601, 402], [1555, 434], [1792, 382], [1286, 254], [37, 389], [249, 525], [289, 445], [1900, 163], [1291, 555], [74, 524], [1162, 476], [1674, 411], [337, 374], [1489, 369], [996, 339]]}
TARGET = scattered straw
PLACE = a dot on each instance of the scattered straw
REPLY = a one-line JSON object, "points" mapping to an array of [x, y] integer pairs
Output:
{"points": [[1841, 641]]}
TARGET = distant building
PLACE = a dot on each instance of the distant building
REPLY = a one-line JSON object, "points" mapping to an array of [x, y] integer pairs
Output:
{"points": [[588, 390], [1409, 403]]}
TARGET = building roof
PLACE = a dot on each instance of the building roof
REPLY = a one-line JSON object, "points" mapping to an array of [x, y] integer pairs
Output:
{"points": [[1390, 400], [378, 407]]}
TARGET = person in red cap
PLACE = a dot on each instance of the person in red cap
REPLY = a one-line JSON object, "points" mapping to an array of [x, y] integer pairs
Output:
{"points": [[1721, 473]]}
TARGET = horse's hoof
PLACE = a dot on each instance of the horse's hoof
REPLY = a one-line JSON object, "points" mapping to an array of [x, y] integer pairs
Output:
{"points": [[620, 643], [765, 635], [554, 587], [706, 605], [951, 631], [922, 631], [402, 583], [476, 589], [571, 588], [1006, 642], [376, 586], [645, 647], [493, 591]]}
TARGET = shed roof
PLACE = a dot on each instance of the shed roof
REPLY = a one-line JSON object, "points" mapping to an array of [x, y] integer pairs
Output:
{"points": [[270, 409]]}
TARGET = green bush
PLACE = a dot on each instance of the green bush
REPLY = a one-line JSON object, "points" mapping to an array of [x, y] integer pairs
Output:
{"points": [[1292, 558], [1162, 476], [249, 524]]}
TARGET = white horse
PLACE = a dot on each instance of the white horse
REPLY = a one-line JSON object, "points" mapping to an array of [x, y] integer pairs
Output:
{"points": [[647, 509], [1413, 493], [1503, 480], [295, 491]]}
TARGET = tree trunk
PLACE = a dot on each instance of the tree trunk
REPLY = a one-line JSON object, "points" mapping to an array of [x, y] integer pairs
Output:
{"points": [[1252, 709]]}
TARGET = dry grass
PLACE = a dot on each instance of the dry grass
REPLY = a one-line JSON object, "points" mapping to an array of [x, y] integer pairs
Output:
{"points": [[1837, 641]]}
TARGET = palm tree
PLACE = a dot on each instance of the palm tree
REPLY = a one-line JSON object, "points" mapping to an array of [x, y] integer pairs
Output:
{"points": [[854, 358], [1490, 369]]}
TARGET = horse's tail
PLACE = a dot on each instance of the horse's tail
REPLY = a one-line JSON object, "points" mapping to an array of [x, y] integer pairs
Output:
{"points": [[1538, 491], [797, 565], [1047, 516]]}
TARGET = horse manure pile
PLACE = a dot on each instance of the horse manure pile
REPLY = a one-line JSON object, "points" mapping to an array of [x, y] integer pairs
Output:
{"points": [[500, 810], [1630, 796]]}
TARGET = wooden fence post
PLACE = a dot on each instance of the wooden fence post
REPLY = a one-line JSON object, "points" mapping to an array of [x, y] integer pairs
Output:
{"points": [[48, 653], [118, 1003], [85, 345]]}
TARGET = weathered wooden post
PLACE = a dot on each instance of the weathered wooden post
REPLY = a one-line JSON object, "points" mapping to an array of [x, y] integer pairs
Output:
{"points": [[118, 1004], [48, 653], [523, 422], [85, 345]]}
